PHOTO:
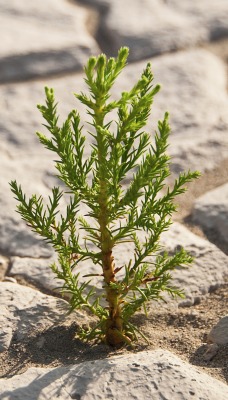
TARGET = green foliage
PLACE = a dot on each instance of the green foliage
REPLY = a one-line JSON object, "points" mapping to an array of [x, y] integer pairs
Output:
{"points": [[117, 213]]}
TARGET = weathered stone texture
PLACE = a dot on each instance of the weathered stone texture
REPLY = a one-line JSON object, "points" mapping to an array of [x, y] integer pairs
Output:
{"points": [[219, 332], [209, 268], [42, 38], [147, 375], [211, 212], [24, 310], [152, 27]]}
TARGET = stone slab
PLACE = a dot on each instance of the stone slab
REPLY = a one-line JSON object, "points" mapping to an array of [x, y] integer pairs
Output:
{"points": [[4, 263], [147, 375], [39, 39], [219, 332], [208, 270], [214, 19], [23, 310], [211, 212], [15, 237], [37, 269], [197, 106], [154, 27]]}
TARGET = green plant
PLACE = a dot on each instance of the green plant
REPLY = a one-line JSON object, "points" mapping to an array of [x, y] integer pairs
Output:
{"points": [[117, 213]]}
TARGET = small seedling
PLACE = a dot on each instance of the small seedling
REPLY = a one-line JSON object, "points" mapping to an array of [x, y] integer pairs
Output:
{"points": [[118, 212]]}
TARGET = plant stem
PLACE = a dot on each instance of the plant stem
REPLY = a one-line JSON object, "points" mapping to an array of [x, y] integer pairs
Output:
{"points": [[114, 324]]}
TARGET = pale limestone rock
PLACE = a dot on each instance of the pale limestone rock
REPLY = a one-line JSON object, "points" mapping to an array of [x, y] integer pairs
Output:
{"points": [[24, 310], [4, 262], [219, 333], [147, 375], [211, 211], [39, 39], [7, 320], [15, 237], [209, 267], [152, 27], [213, 17], [197, 106], [36, 269]]}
